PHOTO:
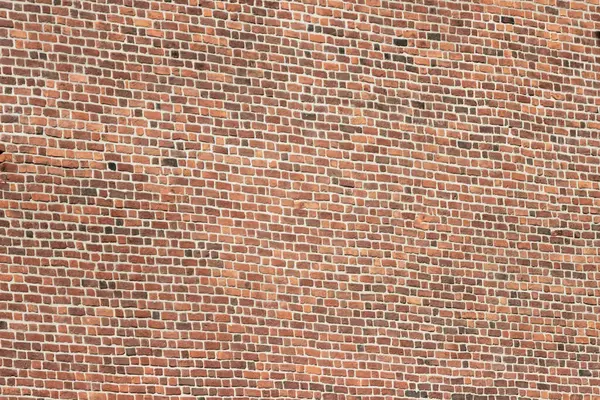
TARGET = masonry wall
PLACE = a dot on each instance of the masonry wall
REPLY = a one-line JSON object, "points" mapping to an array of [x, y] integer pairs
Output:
{"points": [[317, 199]]}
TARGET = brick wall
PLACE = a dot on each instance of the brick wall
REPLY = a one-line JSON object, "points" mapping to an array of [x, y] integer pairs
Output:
{"points": [[318, 199]]}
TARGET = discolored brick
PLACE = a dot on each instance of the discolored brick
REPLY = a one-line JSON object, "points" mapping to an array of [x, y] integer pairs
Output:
{"points": [[400, 42]]}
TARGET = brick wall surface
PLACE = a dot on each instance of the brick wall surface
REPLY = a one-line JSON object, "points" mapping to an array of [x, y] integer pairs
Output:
{"points": [[317, 199]]}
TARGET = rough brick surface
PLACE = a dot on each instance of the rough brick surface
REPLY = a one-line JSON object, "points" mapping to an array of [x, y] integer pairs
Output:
{"points": [[319, 199]]}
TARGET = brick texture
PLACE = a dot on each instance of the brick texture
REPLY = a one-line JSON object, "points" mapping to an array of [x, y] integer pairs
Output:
{"points": [[309, 199]]}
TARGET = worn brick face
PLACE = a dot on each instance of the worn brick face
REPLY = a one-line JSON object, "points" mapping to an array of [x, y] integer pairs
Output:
{"points": [[317, 199]]}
